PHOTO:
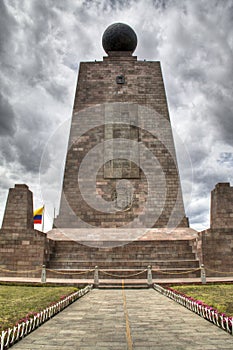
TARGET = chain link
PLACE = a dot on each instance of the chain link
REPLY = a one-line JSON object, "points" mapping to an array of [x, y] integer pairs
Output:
{"points": [[176, 273], [115, 275], [70, 273], [227, 273], [26, 271], [120, 276]]}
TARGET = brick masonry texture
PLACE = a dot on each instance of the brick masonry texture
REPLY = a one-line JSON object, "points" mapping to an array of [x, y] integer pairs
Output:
{"points": [[19, 209], [217, 251], [137, 112], [23, 250], [217, 242], [221, 215], [139, 101], [164, 254], [21, 247]]}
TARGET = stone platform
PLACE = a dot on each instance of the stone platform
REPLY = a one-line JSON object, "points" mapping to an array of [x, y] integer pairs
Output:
{"points": [[118, 235], [124, 252]]}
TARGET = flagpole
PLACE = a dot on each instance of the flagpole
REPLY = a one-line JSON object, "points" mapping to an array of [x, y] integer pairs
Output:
{"points": [[43, 218]]}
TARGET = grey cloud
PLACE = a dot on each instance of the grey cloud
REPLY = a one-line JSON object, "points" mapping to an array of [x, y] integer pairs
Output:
{"points": [[226, 158], [22, 153], [7, 117], [29, 155], [221, 110], [8, 153], [7, 25]]}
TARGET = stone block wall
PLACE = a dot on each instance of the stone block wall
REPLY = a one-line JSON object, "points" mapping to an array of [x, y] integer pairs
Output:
{"points": [[217, 242], [137, 112], [166, 255], [217, 252], [221, 215], [143, 84], [19, 209], [23, 250]]}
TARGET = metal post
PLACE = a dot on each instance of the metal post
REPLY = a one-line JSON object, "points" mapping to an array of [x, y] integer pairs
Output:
{"points": [[203, 274], [43, 274], [149, 276], [96, 277]]}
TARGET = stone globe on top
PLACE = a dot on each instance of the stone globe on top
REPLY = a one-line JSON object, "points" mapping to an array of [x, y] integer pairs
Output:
{"points": [[119, 37]]}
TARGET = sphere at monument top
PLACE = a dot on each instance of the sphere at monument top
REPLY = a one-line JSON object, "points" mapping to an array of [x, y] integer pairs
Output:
{"points": [[119, 37]]}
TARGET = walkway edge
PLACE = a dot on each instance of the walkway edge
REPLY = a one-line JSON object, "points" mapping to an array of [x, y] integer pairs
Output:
{"points": [[13, 335], [196, 306]]}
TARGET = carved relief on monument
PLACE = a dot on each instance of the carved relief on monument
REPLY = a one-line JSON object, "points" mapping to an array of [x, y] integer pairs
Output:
{"points": [[123, 195]]}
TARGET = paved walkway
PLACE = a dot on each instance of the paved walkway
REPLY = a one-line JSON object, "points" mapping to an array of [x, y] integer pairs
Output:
{"points": [[126, 319]]}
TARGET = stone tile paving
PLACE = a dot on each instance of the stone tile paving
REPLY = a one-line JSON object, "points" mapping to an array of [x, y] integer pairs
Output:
{"points": [[97, 321]]}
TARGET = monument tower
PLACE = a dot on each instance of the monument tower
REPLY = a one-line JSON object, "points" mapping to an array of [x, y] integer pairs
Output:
{"points": [[121, 205], [121, 169]]}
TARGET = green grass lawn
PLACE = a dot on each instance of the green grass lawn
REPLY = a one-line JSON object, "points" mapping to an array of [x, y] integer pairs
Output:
{"points": [[17, 301], [219, 296]]}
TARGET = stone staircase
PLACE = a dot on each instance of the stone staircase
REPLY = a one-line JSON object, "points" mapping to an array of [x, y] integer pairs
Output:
{"points": [[168, 258]]}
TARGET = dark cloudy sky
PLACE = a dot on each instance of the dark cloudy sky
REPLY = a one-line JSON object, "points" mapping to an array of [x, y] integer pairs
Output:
{"points": [[41, 45]]}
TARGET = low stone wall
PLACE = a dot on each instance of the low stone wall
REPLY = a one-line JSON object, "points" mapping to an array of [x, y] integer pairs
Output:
{"points": [[217, 251], [23, 252]]}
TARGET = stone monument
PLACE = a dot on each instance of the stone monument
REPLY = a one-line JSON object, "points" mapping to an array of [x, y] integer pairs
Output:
{"points": [[121, 168], [121, 203], [22, 248]]}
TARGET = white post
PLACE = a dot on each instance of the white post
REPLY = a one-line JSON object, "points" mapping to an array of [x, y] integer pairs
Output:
{"points": [[96, 277], [149, 276], [43, 274], [203, 274]]}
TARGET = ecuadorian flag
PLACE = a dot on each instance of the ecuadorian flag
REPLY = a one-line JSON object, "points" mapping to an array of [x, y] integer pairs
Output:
{"points": [[37, 215]]}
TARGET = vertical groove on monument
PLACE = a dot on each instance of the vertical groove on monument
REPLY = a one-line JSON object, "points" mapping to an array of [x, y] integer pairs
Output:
{"points": [[121, 98]]}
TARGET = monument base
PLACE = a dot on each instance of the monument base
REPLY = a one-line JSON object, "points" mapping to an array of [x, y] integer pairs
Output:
{"points": [[23, 252], [217, 251], [170, 252]]}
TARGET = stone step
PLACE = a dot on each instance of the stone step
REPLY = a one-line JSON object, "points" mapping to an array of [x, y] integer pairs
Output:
{"points": [[134, 255], [109, 284], [60, 263], [129, 286], [60, 246]]}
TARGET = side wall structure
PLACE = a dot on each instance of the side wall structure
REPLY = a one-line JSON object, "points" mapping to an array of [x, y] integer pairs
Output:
{"points": [[217, 242], [23, 250]]}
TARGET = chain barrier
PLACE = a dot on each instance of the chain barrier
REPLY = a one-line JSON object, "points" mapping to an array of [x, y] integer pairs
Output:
{"points": [[176, 273], [69, 273], [26, 271], [115, 275], [227, 273], [122, 276]]}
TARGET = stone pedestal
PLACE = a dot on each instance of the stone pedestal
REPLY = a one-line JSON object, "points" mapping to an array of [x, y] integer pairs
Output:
{"points": [[221, 215], [217, 242], [23, 250], [19, 209]]}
